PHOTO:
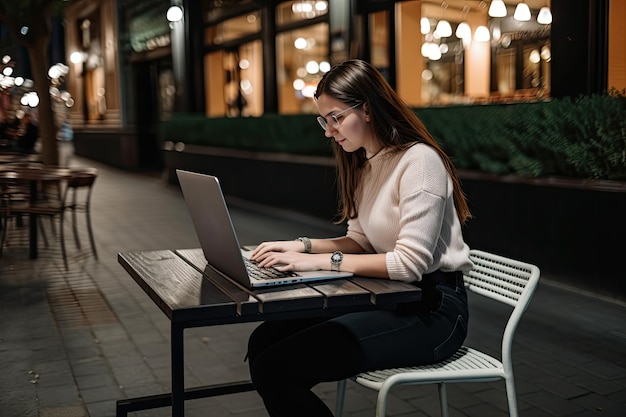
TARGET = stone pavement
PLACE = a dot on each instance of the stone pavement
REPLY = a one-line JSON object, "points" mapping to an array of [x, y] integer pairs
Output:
{"points": [[73, 342]]}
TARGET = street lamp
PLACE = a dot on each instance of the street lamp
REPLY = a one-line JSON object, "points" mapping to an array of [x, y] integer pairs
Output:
{"points": [[174, 14]]}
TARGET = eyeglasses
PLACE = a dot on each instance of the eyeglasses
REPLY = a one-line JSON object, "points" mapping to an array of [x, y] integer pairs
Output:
{"points": [[334, 123]]}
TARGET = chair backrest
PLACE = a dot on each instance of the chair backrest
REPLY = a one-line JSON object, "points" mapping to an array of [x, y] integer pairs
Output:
{"points": [[508, 281], [82, 178]]}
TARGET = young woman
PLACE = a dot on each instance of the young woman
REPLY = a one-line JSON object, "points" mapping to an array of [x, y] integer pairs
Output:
{"points": [[404, 207]]}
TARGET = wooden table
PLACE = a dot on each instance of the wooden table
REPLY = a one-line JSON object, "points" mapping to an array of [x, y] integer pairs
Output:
{"points": [[192, 294], [12, 157], [33, 174]]}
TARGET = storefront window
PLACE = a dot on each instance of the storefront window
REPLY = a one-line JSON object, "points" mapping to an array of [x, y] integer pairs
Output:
{"points": [[301, 60], [235, 81], [295, 11], [473, 54], [232, 29], [379, 40]]}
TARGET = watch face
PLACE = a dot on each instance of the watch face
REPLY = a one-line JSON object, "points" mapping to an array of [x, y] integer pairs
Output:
{"points": [[336, 257]]}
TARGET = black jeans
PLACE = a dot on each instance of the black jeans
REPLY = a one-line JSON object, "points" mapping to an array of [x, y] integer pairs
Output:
{"points": [[288, 358]]}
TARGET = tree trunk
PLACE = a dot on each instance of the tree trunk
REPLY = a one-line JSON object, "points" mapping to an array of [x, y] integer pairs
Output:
{"points": [[37, 52]]}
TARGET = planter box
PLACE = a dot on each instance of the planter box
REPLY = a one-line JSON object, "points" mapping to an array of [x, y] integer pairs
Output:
{"points": [[570, 228], [299, 183], [121, 148], [566, 227]]}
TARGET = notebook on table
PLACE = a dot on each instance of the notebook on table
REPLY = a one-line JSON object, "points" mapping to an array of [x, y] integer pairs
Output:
{"points": [[218, 239]]}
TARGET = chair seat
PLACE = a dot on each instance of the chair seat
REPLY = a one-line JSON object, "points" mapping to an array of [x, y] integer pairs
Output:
{"points": [[466, 365]]}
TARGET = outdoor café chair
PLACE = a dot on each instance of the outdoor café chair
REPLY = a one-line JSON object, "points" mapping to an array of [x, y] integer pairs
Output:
{"points": [[75, 198], [496, 277]]}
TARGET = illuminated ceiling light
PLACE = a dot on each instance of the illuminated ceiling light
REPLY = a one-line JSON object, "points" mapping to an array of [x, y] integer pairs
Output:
{"points": [[244, 64], [312, 67], [482, 34], [522, 12], [534, 56], [463, 31], [424, 25], [497, 9], [7, 71], [300, 43], [54, 72], [76, 57], [443, 29], [434, 53], [174, 14], [298, 84], [545, 16], [496, 32], [320, 6]]}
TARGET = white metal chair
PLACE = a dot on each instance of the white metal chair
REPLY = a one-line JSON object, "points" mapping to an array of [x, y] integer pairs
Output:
{"points": [[502, 279]]}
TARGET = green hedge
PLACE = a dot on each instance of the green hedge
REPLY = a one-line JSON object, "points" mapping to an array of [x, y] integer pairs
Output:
{"points": [[580, 138], [298, 134]]}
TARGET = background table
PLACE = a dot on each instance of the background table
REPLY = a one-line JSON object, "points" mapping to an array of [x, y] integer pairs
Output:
{"points": [[192, 294], [33, 174]]}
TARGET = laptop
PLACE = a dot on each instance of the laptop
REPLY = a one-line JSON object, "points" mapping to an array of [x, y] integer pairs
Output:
{"points": [[218, 239]]}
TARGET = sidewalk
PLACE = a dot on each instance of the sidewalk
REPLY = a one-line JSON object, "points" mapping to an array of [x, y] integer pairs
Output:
{"points": [[72, 343]]}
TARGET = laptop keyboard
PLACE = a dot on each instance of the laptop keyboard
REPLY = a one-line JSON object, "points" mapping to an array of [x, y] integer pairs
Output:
{"points": [[265, 273]]}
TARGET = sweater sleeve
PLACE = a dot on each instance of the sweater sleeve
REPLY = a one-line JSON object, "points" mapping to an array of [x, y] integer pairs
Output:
{"points": [[425, 206], [421, 221]]}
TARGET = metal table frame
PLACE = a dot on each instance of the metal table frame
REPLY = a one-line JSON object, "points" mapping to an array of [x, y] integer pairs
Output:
{"points": [[192, 294]]}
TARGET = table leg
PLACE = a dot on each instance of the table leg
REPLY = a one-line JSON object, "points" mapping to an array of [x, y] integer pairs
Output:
{"points": [[32, 223], [178, 370]]}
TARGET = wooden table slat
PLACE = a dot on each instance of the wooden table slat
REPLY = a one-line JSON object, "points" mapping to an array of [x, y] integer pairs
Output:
{"points": [[174, 285], [386, 291], [342, 293], [271, 299]]}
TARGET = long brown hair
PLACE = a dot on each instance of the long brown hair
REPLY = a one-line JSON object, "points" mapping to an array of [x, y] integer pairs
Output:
{"points": [[393, 123]]}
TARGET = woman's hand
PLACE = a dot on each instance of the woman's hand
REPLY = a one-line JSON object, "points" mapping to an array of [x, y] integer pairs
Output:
{"points": [[292, 261], [287, 253], [276, 246]]}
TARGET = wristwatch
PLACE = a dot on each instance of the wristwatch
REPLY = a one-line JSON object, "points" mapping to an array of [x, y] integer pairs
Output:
{"points": [[335, 261], [307, 243]]}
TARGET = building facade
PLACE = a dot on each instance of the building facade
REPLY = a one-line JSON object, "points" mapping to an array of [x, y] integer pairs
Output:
{"points": [[133, 68]]}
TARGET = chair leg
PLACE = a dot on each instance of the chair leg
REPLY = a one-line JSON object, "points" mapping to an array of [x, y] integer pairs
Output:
{"points": [[90, 231], [341, 395], [381, 401], [62, 235], [511, 396], [443, 399], [4, 223], [42, 232], [75, 228]]}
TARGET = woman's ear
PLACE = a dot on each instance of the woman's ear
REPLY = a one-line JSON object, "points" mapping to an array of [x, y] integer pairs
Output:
{"points": [[367, 112]]}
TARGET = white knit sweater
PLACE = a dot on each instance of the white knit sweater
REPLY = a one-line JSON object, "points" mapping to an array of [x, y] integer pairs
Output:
{"points": [[406, 210]]}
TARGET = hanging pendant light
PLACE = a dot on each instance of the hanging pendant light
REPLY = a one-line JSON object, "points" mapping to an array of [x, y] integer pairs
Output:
{"points": [[482, 34], [497, 9], [522, 12], [545, 16], [424, 25], [463, 31], [443, 29]]}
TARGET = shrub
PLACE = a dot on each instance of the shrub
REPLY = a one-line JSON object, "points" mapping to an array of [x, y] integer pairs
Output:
{"points": [[581, 138]]}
